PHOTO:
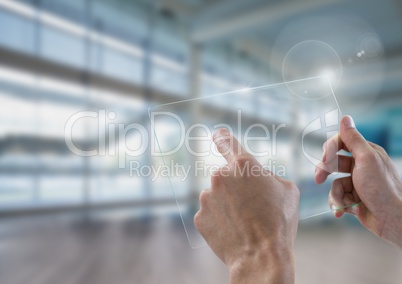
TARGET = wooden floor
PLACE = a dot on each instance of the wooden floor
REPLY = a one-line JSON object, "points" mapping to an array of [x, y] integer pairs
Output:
{"points": [[114, 248]]}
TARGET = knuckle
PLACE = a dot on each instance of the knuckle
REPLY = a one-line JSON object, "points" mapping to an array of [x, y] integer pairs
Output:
{"points": [[197, 220], [289, 184], [242, 161], [378, 148], [332, 149], [292, 186], [342, 164], [368, 157], [224, 172], [340, 184], [336, 184], [381, 150], [204, 198], [330, 166], [323, 166], [331, 142], [216, 178]]}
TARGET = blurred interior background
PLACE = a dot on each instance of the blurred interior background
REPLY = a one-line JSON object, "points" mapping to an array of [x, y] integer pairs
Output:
{"points": [[71, 219]]}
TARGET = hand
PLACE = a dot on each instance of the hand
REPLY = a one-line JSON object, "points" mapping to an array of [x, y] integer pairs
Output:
{"points": [[250, 218], [374, 182]]}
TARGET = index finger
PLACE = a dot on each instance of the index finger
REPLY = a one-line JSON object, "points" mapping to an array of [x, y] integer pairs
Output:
{"points": [[229, 146]]}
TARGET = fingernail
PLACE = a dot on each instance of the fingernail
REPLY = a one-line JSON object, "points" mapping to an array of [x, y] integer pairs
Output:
{"points": [[333, 207], [355, 205], [348, 122], [355, 208]]}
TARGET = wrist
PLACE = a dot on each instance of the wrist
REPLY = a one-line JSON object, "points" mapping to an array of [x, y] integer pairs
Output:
{"points": [[393, 226], [269, 263], [397, 236]]}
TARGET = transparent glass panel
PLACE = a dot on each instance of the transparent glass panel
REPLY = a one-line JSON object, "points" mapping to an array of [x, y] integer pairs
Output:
{"points": [[283, 125]]}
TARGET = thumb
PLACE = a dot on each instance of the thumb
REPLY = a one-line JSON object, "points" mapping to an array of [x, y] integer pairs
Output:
{"points": [[351, 138]]}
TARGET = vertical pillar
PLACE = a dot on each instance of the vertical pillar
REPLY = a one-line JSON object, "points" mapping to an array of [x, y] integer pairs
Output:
{"points": [[195, 115], [36, 119], [87, 172], [147, 96]]}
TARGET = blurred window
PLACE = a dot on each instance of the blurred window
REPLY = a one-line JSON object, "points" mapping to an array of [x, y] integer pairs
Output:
{"points": [[120, 65], [16, 32], [63, 47]]}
